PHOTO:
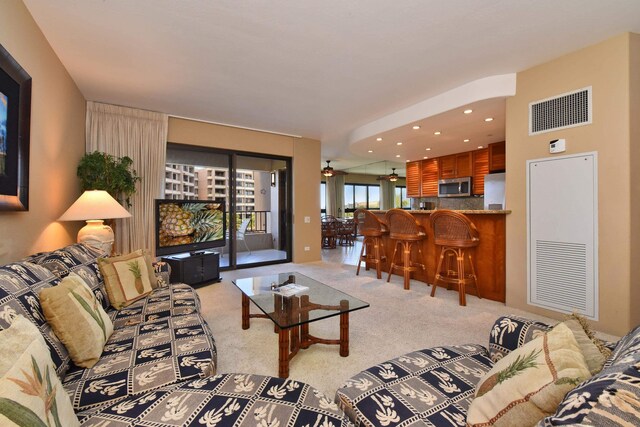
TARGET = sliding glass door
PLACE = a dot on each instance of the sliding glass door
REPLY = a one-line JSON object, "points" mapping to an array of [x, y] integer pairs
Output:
{"points": [[256, 190]]}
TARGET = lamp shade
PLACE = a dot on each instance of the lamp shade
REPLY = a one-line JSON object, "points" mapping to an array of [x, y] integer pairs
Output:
{"points": [[94, 204]]}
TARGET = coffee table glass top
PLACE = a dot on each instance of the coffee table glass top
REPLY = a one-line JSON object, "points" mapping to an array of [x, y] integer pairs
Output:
{"points": [[323, 301]]}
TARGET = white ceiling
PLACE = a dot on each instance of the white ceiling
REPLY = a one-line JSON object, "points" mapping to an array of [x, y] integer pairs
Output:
{"points": [[319, 69]]}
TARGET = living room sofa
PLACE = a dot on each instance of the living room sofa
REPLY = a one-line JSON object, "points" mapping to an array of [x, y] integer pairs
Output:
{"points": [[159, 365], [436, 386]]}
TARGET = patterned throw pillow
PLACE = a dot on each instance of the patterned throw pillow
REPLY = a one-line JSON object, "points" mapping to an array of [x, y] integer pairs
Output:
{"points": [[529, 383], [592, 354], [127, 278], [30, 391], [77, 319]]}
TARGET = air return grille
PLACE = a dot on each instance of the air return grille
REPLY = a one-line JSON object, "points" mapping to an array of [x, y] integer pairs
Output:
{"points": [[561, 275], [560, 112]]}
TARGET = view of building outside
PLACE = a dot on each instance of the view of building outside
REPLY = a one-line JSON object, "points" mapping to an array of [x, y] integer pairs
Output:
{"points": [[189, 182]]}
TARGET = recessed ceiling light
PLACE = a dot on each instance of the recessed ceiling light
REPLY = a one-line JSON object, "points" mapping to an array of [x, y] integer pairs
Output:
{"points": [[416, 127], [437, 132], [398, 143], [469, 111], [397, 155], [378, 139], [407, 160], [480, 146], [370, 151], [428, 149], [488, 119], [425, 157], [466, 140]]}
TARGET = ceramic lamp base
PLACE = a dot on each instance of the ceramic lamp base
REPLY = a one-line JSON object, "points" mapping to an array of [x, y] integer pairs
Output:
{"points": [[97, 234]]}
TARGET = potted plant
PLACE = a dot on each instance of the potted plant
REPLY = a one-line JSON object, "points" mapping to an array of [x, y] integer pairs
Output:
{"points": [[115, 175]]}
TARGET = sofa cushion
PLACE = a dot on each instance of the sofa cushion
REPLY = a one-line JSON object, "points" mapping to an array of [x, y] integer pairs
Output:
{"points": [[511, 332], [173, 300], [30, 391], [224, 400], [609, 398], [430, 387], [20, 285], [80, 259], [527, 384], [77, 319], [144, 357], [127, 278]]}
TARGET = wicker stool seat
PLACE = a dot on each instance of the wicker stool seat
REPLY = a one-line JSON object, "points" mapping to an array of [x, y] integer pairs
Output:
{"points": [[408, 234], [371, 229], [456, 235]]}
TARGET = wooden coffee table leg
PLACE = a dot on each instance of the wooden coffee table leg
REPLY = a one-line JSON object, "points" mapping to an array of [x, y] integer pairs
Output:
{"points": [[344, 328], [283, 353], [245, 312]]}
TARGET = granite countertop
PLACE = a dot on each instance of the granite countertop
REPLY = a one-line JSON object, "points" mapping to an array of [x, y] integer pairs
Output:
{"points": [[467, 212]]}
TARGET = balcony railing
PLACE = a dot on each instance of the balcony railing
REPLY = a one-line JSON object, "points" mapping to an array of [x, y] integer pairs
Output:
{"points": [[259, 220]]}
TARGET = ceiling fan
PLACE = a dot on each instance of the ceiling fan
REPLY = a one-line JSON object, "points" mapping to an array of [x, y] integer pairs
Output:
{"points": [[393, 176], [329, 171]]}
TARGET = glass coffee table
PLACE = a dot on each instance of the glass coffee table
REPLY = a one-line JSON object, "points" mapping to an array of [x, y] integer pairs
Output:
{"points": [[291, 315]]}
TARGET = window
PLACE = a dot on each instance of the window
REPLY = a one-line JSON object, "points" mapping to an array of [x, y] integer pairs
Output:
{"points": [[401, 200], [361, 196]]}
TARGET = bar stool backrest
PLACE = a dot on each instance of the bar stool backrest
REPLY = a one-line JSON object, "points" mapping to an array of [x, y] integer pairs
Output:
{"points": [[454, 229], [368, 223], [403, 226]]}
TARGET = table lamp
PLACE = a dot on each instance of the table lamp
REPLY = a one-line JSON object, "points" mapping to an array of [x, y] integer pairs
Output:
{"points": [[94, 204]]}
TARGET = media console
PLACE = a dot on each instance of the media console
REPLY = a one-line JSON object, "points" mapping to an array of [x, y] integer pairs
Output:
{"points": [[194, 268]]}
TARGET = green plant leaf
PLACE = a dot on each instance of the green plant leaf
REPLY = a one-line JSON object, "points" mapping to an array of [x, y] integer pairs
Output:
{"points": [[19, 414], [102, 171], [93, 313]]}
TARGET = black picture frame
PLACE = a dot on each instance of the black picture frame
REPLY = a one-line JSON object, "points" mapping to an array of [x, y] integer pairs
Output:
{"points": [[15, 95]]}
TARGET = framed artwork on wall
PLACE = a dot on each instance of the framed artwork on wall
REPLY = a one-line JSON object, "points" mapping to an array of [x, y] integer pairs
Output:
{"points": [[15, 121]]}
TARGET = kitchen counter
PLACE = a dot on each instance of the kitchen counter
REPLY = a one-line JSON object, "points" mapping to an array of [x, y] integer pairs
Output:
{"points": [[489, 255]]}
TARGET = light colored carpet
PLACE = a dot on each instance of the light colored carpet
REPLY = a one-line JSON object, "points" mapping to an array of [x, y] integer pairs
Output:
{"points": [[397, 322]]}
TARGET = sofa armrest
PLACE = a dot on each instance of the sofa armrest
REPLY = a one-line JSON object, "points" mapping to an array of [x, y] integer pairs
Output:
{"points": [[510, 332], [163, 273]]}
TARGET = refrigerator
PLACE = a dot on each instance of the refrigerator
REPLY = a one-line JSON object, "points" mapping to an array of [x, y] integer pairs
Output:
{"points": [[494, 191]]}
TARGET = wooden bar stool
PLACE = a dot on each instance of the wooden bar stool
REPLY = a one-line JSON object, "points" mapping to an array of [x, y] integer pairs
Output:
{"points": [[372, 229], [456, 235], [329, 226], [405, 230]]}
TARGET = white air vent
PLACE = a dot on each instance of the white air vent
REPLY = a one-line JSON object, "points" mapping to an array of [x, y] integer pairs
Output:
{"points": [[560, 112], [562, 222]]}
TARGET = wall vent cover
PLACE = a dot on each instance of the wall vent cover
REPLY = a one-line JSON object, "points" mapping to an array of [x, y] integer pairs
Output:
{"points": [[560, 112]]}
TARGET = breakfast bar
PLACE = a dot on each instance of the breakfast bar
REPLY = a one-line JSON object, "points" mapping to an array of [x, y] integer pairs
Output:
{"points": [[489, 255]]}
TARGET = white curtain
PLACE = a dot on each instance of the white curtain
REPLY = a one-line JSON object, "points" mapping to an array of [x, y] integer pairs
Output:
{"points": [[387, 194], [141, 135], [335, 195]]}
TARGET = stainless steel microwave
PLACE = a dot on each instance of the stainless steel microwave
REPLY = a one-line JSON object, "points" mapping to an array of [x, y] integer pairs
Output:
{"points": [[454, 187]]}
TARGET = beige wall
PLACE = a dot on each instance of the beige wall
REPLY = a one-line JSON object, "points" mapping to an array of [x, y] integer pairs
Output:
{"points": [[306, 177], [634, 115], [57, 140], [605, 67]]}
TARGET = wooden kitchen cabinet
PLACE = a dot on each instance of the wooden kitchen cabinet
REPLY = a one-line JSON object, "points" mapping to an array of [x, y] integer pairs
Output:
{"points": [[430, 178], [414, 179], [480, 169], [497, 157], [455, 166]]}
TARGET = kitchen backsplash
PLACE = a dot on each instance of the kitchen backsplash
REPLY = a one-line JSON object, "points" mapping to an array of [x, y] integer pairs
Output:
{"points": [[455, 203]]}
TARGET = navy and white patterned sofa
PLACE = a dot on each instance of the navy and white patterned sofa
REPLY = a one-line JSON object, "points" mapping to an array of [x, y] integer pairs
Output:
{"points": [[159, 365], [434, 387]]}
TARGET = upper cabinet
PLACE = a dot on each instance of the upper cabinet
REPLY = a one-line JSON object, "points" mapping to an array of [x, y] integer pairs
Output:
{"points": [[497, 157], [480, 169], [455, 166], [430, 178], [414, 179], [423, 175]]}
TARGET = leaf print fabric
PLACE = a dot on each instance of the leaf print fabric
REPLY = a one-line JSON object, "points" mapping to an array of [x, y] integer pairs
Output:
{"points": [[30, 391]]}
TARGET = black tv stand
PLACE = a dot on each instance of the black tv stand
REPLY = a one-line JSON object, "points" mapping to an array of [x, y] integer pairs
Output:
{"points": [[194, 268]]}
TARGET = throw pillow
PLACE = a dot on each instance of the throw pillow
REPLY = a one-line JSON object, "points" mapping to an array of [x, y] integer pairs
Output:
{"points": [[529, 383], [592, 354], [30, 391], [77, 319], [127, 278]]}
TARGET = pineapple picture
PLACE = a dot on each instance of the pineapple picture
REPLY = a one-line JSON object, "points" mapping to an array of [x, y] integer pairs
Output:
{"points": [[134, 268], [190, 223]]}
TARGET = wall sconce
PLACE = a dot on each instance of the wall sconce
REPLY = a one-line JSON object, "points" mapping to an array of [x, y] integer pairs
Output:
{"points": [[273, 178]]}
